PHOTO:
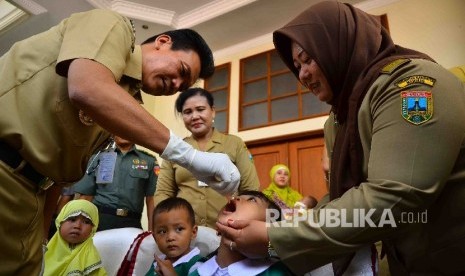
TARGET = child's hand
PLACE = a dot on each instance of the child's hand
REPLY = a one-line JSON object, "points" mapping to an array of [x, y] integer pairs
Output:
{"points": [[164, 267]]}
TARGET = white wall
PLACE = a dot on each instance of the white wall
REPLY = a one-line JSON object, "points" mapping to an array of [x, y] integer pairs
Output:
{"points": [[436, 28]]}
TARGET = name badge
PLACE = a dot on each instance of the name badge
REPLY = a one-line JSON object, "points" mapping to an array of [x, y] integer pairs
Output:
{"points": [[106, 167]]}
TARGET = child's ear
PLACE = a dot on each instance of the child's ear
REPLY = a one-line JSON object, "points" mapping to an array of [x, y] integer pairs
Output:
{"points": [[195, 229], [162, 39]]}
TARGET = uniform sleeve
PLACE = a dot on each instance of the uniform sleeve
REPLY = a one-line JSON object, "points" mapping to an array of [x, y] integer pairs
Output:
{"points": [[100, 35], [407, 166], [166, 184], [152, 180], [86, 185], [246, 167]]}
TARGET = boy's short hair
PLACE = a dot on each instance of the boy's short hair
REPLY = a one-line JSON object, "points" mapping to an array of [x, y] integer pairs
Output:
{"points": [[187, 39], [262, 196], [172, 203]]}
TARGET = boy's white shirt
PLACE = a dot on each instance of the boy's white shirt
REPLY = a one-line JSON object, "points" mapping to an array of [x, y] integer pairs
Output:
{"points": [[240, 268], [184, 259]]}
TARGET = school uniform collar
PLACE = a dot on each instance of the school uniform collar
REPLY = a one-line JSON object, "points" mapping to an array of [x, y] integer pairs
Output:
{"points": [[240, 268], [184, 259], [133, 67]]}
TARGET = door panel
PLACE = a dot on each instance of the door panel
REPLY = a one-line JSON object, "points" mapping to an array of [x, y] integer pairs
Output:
{"points": [[305, 159], [266, 157], [302, 156]]}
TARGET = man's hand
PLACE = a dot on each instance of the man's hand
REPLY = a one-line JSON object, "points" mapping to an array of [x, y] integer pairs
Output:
{"points": [[249, 237], [215, 169], [225, 178]]}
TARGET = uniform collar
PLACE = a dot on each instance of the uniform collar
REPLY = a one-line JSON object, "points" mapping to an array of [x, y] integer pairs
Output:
{"points": [[217, 138], [134, 65], [184, 259], [132, 149]]}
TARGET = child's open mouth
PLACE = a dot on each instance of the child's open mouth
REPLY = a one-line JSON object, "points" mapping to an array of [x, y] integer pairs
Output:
{"points": [[230, 207]]}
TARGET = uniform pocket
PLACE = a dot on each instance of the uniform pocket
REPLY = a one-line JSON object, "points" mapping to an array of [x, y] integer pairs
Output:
{"points": [[139, 173], [82, 135]]}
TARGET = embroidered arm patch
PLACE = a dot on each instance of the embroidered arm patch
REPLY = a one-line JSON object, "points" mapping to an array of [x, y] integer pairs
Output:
{"points": [[417, 106]]}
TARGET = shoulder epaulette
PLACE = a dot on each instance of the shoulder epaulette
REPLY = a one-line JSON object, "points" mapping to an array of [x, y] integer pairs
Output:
{"points": [[392, 66]]}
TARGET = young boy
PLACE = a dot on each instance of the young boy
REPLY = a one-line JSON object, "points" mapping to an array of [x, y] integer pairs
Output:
{"points": [[227, 261], [173, 230], [71, 249]]}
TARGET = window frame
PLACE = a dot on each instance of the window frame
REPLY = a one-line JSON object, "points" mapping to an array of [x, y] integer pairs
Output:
{"points": [[299, 91], [226, 88]]}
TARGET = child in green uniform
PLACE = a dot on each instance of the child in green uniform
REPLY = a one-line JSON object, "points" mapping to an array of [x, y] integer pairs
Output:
{"points": [[226, 260], [173, 230]]}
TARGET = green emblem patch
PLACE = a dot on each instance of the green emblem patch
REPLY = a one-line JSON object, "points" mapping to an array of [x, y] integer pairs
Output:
{"points": [[417, 106]]}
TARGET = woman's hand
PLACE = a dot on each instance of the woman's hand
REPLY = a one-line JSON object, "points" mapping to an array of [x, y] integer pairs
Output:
{"points": [[249, 237]]}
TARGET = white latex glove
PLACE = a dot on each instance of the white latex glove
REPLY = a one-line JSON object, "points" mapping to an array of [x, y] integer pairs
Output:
{"points": [[215, 169]]}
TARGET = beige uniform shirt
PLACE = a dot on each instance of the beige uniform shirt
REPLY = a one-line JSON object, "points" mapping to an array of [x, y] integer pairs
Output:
{"points": [[415, 171], [175, 181], [37, 117]]}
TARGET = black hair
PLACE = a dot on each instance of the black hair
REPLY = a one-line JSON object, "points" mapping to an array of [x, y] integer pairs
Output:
{"points": [[187, 39], [172, 203], [186, 94], [262, 196]]}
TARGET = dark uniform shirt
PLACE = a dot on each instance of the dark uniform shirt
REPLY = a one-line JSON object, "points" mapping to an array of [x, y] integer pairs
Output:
{"points": [[134, 179]]}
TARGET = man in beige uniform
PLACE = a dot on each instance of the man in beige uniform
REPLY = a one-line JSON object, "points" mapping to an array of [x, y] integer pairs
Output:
{"points": [[401, 165], [62, 92]]}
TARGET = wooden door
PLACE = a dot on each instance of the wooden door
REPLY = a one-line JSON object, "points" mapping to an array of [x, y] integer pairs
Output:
{"points": [[266, 157], [307, 171], [302, 156]]}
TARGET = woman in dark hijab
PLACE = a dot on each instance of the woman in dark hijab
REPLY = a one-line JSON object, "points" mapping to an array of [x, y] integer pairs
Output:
{"points": [[393, 153]]}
